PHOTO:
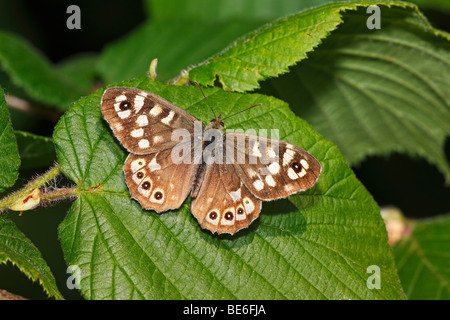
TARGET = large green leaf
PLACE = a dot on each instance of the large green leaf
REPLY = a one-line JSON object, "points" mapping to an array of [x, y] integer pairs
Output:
{"points": [[9, 157], [423, 260], [316, 245], [390, 86], [34, 75], [271, 49], [18, 249]]}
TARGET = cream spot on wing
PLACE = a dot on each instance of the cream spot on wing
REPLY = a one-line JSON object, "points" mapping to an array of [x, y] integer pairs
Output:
{"points": [[271, 153], [270, 181], [255, 150], [138, 103], [302, 173], [258, 184], [292, 174], [138, 176], [157, 196], [251, 173], [156, 110], [137, 164], [169, 118], [142, 190], [236, 195], [228, 217], [142, 120], [143, 143], [304, 164], [240, 216], [157, 139], [288, 188], [210, 216], [117, 106], [124, 114], [249, 205], [121, 98], [274, 168], [288, 156], [136, 133], [118, 127], [153, 165]]}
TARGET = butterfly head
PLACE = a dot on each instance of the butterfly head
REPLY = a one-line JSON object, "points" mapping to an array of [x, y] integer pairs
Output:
{"points": [[216, 123]]}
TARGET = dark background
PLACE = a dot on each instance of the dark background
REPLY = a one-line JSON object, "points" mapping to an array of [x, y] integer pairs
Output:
{"points": [[411, 184]]}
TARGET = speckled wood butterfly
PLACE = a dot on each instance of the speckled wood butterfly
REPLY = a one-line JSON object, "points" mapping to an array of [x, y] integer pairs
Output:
{"points": [[173, 154]]}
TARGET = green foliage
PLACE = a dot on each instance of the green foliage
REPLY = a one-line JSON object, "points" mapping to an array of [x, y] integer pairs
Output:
{"points": [[30, 72], [369, 92], [18, 249], [9, 157], [35, 151], [389, 85], [118, 245], [422, 260]]}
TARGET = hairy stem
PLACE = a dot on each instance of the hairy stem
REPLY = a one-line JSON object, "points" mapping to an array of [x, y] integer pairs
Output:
{"points": [[38, 182]]}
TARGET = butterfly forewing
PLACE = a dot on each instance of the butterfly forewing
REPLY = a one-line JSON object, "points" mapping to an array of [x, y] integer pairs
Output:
{"points": [[142, 121], [271, 168], [224, 204]]}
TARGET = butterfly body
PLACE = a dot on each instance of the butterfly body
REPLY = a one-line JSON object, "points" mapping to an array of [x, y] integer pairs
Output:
{"points": [[173, 155]]}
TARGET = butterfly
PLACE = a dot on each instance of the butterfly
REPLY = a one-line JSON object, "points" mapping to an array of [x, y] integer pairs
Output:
{"points": [[227, 174]]}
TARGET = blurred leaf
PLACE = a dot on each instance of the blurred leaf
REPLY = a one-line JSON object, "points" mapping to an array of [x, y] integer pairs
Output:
{"points": [[226, 10], [176, 45], [374, 92], [9, 157], [33, 73], [433, 4], [17, 248], [423, 260], [35, 151], [80, 69], [318, 246]]}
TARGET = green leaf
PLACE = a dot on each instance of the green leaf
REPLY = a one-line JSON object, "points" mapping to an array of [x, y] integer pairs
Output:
{"points": [[316, 245], [423, 260], [271, 49], [18, 249], [33, 73], [179, 44], [9, 157], [374, 92], [35, 151]]}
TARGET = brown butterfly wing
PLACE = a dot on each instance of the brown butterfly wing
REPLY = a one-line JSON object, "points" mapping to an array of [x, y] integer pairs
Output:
{"points": [[223, 203], [157, 182], [142, 121], [272, 169]]}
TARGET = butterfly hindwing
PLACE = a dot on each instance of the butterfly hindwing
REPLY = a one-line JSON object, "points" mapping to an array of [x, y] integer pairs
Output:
{"points": [[142, 121], [223, 203], [157, 182]]}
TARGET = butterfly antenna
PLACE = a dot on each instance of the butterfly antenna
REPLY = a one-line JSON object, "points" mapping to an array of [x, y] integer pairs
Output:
{"points": [[198, 85], [258, 104]]}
